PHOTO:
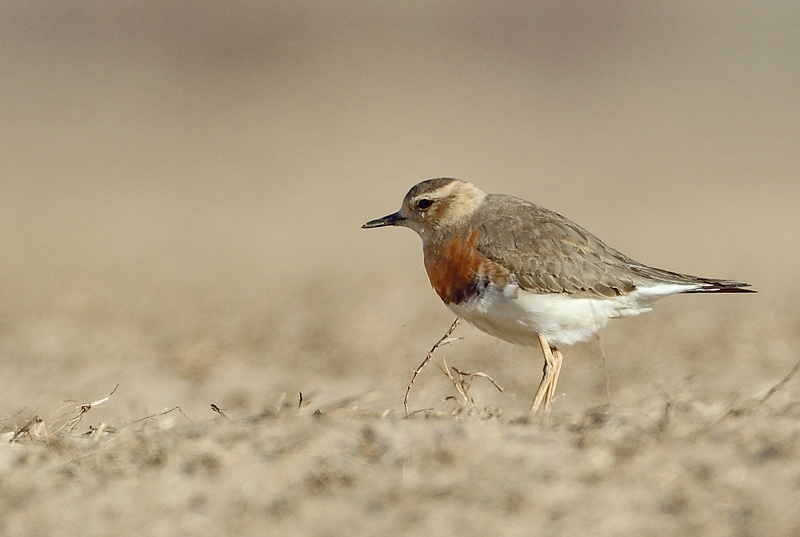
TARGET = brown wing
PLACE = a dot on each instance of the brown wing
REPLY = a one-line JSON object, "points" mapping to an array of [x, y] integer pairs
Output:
{"points": [[548, 253]]}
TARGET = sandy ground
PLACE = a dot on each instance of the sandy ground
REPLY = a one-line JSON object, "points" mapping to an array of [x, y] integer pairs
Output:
{"points": [[182, 191]]}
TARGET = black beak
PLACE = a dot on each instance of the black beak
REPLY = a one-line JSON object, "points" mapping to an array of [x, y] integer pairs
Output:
{"points": [[388, 220]]}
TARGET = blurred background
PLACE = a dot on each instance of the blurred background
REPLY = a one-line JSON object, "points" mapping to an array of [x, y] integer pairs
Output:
{"points": [[183, 184]]}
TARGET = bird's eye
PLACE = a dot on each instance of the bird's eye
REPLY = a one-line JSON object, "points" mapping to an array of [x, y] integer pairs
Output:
{"points": [[424, 203]]}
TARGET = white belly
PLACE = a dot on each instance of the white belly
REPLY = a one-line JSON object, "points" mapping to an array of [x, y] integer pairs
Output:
{"points": [[517, 316]]}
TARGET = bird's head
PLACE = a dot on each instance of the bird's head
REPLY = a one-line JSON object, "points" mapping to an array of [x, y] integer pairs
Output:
{"points": [[434, 208]]}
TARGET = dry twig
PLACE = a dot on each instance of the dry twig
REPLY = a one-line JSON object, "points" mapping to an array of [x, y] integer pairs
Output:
{"points": [[70, 425], [34, 428], [162, 413], [103, 428], [779, 386], [479, 374], [737, 411], [14, 415], [444, 340], [461, 385]]}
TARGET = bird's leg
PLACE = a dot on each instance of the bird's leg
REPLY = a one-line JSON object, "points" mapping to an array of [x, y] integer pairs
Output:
{"points": [[551, 391], [547, 377]]}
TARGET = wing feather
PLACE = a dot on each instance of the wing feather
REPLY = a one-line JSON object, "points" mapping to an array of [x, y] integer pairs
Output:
{"points": [[548, 253]]}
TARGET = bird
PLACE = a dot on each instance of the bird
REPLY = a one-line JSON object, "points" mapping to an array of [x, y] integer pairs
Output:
{"points": [[528, 275]]}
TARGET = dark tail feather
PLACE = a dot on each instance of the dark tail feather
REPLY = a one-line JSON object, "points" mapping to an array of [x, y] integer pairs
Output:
{"points": [[707, 285], [722, 286]]}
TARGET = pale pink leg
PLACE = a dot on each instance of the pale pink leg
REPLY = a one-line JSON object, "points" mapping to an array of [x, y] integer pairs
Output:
{"points": [[551, 391], [543, 391]]}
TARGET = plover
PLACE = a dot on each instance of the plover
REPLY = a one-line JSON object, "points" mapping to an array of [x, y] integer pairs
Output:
{"points": [[528, 275]]}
